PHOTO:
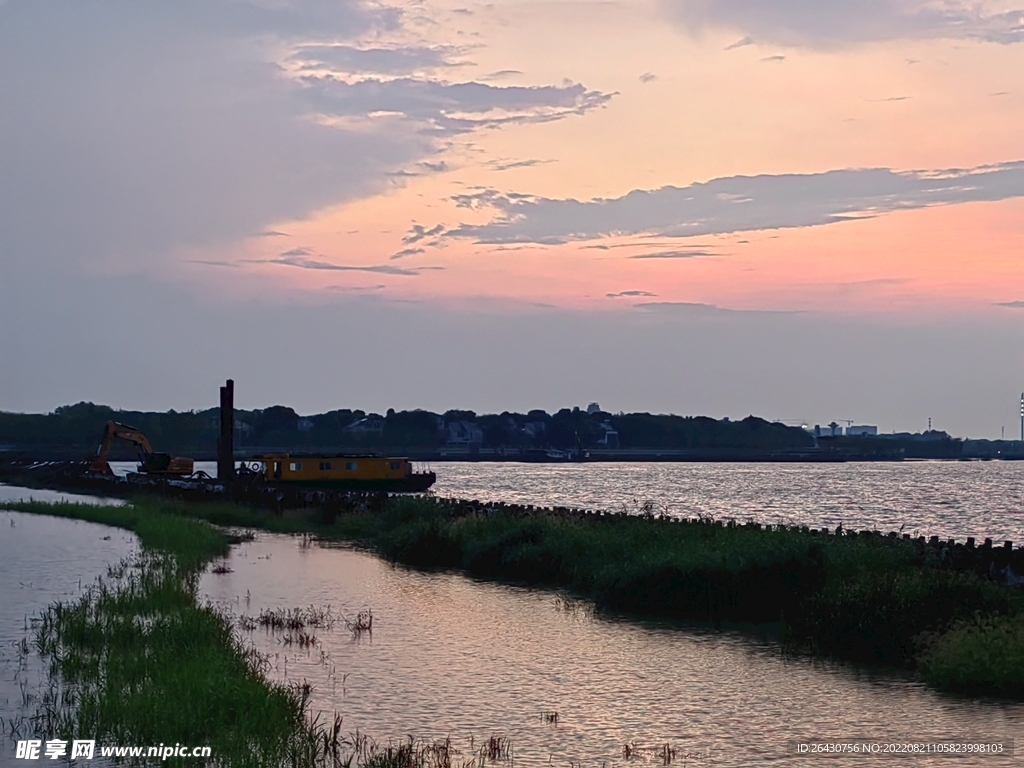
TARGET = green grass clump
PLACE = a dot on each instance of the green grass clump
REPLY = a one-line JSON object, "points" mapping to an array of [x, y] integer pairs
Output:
{"points": [[982, 656], [137, 659], [142, 663], [161, 526], [877, 617]]}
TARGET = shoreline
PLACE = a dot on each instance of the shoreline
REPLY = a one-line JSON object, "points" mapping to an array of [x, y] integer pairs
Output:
{"points": [[594, 456], [880, 600]]}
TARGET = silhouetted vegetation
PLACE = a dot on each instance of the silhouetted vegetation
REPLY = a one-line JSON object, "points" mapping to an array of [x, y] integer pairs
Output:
{"points": [[74, 431]]}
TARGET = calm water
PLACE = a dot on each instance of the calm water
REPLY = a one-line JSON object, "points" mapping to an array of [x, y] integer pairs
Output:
{"points": [[42, 560], [452, 657]]}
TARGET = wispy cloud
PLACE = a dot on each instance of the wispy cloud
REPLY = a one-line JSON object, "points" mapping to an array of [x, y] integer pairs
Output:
{"points": [[697, 310], [1011, 304], [734, 204], [406, 252], [350, 59], [508, 165], [647, 77], [647, 244], [214, 263], [684, 253], [315, 264], [836, 23], [355, 288], [446, 109], [743, 42], [418, 232], [501, 73], [629, 294]]}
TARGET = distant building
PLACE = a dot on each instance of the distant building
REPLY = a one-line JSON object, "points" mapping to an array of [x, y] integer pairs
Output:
{"points": [[305, 425], [862, 430], [464, 433], [610, 439], [593, 408], [368, 426], [830, 430]]}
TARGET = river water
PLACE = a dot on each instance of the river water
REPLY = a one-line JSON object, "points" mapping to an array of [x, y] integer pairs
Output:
{"points": [[42, 560], [452, 657], [942, 498], [449, 656]]}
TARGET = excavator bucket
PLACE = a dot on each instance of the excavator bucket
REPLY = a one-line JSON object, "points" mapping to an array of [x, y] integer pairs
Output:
{"points": [[101, 467]]}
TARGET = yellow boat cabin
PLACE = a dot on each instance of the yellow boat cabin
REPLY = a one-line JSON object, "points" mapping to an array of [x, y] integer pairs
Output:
{"points": [[345, 472]]}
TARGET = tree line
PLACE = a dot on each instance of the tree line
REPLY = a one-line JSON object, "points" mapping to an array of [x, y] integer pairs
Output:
{"points": [[77, 428]]}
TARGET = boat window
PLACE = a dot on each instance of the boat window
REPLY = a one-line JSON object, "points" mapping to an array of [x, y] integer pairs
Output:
{"points": [[295, 466], [351, 465], [325, 466], [396, 465]]}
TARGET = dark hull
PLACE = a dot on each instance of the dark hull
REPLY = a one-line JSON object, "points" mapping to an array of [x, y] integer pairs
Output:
{"points": [[415, 483]]}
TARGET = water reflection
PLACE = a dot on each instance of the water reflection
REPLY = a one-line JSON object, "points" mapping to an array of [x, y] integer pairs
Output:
{"points": [[42, 560], [943, 498], [450, 656]]}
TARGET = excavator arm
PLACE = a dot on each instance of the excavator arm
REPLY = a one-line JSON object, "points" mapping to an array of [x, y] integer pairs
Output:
{"points": [[149, 461], [113, 431]]}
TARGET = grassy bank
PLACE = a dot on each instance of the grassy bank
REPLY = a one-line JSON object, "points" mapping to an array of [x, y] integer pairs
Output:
{"points": [[138, 661], [866, 599]]}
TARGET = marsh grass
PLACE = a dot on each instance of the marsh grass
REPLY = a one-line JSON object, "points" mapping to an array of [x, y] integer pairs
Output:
{"points": [[862, 598], [296, 618], [981, 655], [137, 660], [360, 624], [130, 653]]}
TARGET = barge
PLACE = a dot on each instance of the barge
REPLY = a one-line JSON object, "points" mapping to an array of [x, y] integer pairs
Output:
{"points": [[347, 472]]}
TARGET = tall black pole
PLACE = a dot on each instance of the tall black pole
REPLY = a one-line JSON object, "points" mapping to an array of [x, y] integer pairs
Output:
{"points": [[226, 444]]}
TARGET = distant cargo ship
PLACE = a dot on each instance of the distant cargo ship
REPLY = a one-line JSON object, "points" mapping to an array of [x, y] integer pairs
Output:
{"points": [[346, 472]]}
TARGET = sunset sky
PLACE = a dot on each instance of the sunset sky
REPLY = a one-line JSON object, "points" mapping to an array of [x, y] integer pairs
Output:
{"points": [[803, 209]]}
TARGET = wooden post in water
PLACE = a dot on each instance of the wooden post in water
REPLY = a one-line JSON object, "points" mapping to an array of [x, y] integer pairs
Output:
{"points": [[226, 443]]}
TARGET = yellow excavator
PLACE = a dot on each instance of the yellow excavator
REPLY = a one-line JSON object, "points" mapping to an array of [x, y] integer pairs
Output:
{"points": [[150, 463]]}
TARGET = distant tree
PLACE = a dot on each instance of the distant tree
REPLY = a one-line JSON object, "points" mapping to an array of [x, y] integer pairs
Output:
{"points": [[455, 415], [411, 429]]}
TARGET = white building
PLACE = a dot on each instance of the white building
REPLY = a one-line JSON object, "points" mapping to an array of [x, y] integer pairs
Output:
{"points": [[464, 433]]}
